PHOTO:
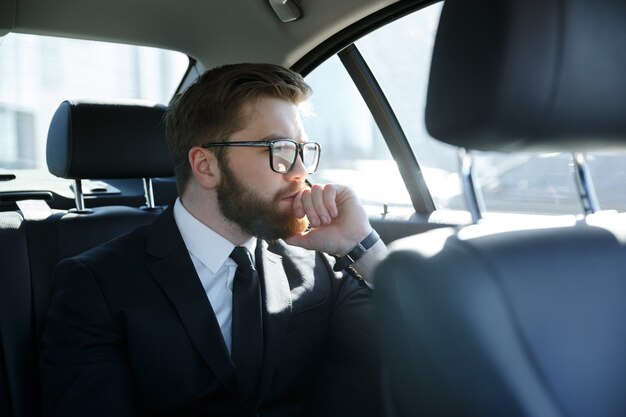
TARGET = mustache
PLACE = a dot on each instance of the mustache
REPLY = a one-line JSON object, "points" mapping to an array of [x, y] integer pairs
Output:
{"points": [[295, 188]]}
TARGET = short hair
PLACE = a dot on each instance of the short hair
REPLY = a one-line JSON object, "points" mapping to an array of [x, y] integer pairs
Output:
{"points": [[211, 109]]}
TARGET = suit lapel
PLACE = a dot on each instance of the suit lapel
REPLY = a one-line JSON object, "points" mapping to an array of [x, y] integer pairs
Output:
{"points": [[176, 275], [276, 312]]}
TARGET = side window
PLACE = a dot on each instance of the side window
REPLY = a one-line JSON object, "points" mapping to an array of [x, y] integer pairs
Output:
{"points": [[353, 150], [399, 56], [17, 138]]}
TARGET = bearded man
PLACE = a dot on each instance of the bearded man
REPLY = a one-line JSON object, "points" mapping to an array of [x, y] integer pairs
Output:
{"points": [[227, 303]]}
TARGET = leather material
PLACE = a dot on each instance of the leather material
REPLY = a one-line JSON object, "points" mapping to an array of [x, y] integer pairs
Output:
{"points": [[101, 141], [17, 367], [509, 322], [529, 75]]}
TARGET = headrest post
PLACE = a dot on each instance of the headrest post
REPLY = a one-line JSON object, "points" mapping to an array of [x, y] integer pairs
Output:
{"points": [[148, 193], [586, 190], [79, 198], [469, 188]]}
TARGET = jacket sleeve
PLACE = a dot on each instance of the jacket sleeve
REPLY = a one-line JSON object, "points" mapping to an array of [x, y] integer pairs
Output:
{"points": [[348, 375], [353, 331], [83, 363]]}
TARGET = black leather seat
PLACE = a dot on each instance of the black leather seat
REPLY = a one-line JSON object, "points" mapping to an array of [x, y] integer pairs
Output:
{"points": [[495, 320], [17, 360], [86, 140]]}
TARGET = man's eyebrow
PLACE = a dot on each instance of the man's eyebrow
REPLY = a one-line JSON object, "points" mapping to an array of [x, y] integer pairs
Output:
{"points": [[275, 136]]}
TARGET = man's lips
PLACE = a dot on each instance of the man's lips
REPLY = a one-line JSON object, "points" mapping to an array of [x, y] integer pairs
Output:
{"points": [[291, 194], [291, 197]]}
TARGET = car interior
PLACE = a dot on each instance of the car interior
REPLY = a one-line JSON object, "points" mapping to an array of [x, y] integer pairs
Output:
{"points": [[481, 313]]}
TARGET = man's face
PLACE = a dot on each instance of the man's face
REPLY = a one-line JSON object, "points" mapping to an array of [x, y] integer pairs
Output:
{"points": [[250, 194]]}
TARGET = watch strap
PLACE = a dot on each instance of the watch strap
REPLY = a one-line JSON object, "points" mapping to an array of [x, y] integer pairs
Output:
{"points": [[356, 252]]}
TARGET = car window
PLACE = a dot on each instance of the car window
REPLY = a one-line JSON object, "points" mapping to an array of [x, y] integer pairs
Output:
{"points": [[37, 73], [399, 56], [356, 152], [526, 182], [353, 150]]}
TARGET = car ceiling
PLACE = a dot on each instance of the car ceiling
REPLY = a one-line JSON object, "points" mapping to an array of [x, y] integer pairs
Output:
{"points": [[211, 31]]}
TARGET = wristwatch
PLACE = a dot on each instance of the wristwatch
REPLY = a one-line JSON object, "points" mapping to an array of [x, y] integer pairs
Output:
{"points": [[356, 252]]}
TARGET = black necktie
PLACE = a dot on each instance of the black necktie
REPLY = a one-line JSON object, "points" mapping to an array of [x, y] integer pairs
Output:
{"points": [[247, 326]]}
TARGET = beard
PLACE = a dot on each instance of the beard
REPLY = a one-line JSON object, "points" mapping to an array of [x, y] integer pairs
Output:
{"points": [[255, 215]]}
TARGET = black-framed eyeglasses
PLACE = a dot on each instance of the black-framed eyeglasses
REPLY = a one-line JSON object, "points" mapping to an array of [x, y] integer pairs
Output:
{"points": [[283, 153]]}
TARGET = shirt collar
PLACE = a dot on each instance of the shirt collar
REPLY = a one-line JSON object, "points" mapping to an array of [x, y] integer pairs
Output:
{"points": [[208, 246]]}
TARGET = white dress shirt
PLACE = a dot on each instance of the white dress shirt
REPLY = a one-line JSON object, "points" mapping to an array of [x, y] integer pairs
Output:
{"points": [[210, 254]]}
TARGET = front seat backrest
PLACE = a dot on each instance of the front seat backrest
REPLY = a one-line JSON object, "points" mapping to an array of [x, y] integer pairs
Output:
{"points": [[496, 320]]}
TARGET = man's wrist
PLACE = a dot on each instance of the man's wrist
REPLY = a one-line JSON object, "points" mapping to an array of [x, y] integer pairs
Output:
{"points": [[357, 252]]}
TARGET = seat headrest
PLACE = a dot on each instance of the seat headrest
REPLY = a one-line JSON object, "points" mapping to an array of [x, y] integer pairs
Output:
{"points": [[104, 140], [511, 75]]}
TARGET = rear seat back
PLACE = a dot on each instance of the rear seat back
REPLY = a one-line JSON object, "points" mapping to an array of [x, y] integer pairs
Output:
{"points": [[86, 141], [17, 355]]}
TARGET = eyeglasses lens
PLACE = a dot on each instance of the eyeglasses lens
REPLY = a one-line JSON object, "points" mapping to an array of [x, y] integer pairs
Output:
{"points": [[284, 154], [311, 156]]}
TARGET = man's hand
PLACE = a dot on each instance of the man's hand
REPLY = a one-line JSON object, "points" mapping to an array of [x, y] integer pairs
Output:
{"points": [[337, 219], [338, 222]]}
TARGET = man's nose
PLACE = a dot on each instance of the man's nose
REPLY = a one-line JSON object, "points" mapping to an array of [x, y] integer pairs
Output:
{"points": [[298, 171]]}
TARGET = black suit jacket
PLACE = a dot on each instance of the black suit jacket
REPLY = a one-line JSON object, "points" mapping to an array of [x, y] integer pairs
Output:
{"points": [[130, 331]]}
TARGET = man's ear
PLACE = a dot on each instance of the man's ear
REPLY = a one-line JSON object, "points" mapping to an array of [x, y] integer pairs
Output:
{"points": [[204, 167]]}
